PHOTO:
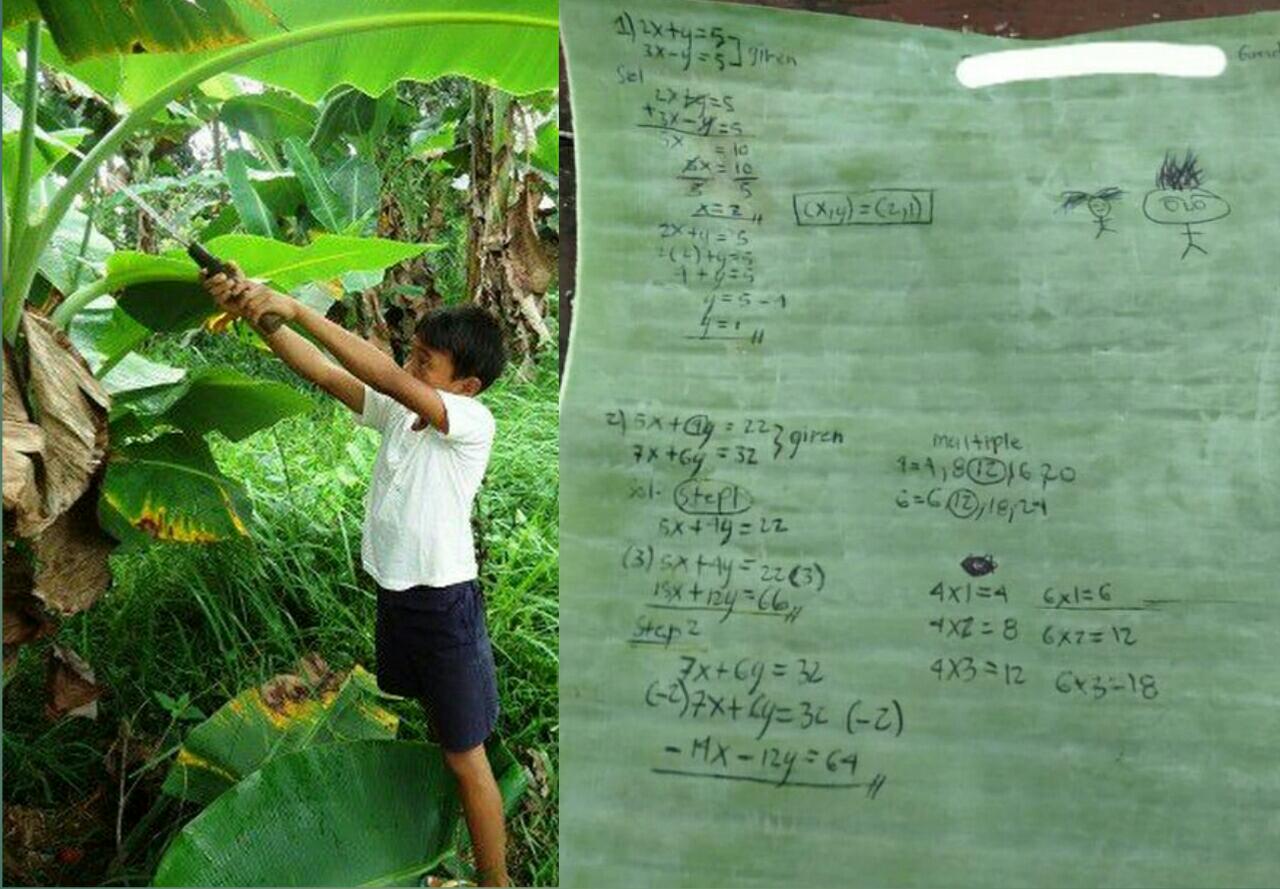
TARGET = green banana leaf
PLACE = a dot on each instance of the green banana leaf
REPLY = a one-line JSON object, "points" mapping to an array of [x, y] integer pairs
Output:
{"points": [[282, 716], [349, 112], [357, 182], [257, 219], [12, 68], [359, 813], [18, 11], [136, 374], [271, 117], [170, 488], [546, 154], [322, 200], [211, 399], [431, 143], [163, 293], [51, 147], [511, 56], [101, 74], [61, 259], [104, 334], [83, 28], [279, 190]]}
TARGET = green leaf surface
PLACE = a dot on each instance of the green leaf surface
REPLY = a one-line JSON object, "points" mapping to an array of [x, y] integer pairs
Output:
{"points": [[356, 182], [104, 333], [546, 153], [51, 146], [206, 179], [224, 400], [512, 56], [60, 259], [353, 282], [431, 143], [167, 305], [18, 11], [224, 223], [271, 117], [101, 74], [327, 256], [361, 813], [170, 488], [163, 293], [13, 70], [211, 399], [84, 28], [254, 215], [279, 190], [322, 200], [317, 295], [136, 373], [262, 723], [349, 112]]}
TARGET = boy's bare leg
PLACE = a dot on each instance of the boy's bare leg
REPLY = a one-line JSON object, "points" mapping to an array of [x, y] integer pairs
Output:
{"points": [[482, 805]]}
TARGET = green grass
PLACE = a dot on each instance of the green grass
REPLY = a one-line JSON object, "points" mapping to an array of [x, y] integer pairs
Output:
{"points": [[212, 620]]}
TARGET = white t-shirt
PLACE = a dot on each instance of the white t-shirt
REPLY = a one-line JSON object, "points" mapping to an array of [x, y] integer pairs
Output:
{"points": [[417, 513]]}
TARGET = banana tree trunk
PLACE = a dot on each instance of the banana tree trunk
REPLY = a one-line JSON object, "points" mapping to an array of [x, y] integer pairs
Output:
{"points": [[508, 270]]}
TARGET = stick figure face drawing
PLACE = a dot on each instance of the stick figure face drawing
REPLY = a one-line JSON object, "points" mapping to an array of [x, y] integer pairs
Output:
{"points": [[1099, 207], [1192, 207], [1180, 198], [1100, 204]]}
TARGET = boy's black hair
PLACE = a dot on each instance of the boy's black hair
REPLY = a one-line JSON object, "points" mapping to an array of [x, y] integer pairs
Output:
{"points": [[471, 336]]}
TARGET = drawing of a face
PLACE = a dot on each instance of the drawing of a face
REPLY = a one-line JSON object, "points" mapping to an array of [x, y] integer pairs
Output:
{"points": [[1169, 206], [1100, 204], [1180, 198], [1100, 207]]}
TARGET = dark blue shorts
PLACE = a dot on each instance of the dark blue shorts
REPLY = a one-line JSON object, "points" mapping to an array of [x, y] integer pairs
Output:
{"points": [[432, 644]]}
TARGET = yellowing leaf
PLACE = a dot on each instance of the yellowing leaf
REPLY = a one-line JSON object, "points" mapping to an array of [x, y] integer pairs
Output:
{"points": [[284, 714], [84, 28], [169, 488]]}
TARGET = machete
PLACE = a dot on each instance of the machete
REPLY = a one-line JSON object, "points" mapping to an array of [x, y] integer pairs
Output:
{"points": [[268, 323]]}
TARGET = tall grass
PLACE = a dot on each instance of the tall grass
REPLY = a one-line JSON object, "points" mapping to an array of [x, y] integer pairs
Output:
{"points": [[210, 621]]}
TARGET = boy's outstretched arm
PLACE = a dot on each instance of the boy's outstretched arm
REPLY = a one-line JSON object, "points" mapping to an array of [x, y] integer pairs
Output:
{"points": [[296, 351], [366, 362]]}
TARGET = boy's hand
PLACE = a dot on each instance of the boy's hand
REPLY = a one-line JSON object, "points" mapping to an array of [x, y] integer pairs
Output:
{"points": [[246, 298], [225, 288], [257, 299]]}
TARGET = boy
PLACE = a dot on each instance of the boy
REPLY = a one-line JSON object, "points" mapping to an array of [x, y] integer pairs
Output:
{"points": [[431, 639]]}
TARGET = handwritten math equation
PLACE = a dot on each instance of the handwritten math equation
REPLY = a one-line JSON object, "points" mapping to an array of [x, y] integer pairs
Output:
{"points": [[968, 478], [764, 698], [704, 236], [977, 623], [681, 46]]}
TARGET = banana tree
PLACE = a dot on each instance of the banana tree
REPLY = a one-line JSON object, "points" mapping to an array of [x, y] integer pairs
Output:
{"points": [[483, 39], [71, 404], [509, 270]]}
